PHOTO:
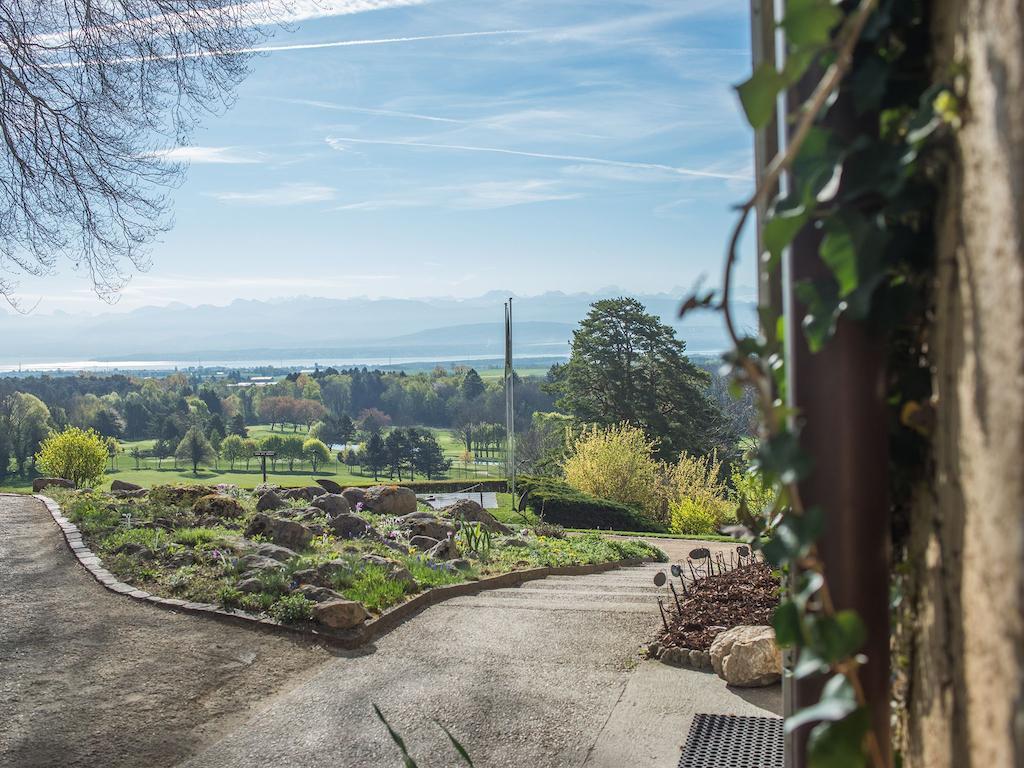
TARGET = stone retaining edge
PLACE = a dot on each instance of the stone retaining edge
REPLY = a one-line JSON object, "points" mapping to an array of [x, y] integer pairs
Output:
{"points": [[350, 639]]}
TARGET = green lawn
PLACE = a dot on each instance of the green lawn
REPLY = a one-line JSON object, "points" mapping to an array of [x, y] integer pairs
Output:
{"points": [[149, 473]]}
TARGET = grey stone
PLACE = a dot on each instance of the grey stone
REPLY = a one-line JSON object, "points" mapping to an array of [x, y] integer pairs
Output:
{"points": [[423, 542], [251, 585], [349, 526], [328, 485], [42, 483], [354, 496], [340, 614], [270, 502], [333, 504], [317, 594], [390, 500], [471, 512], [285, 533], [266, 549], [122, 485], [443, 550], [426, 524]]}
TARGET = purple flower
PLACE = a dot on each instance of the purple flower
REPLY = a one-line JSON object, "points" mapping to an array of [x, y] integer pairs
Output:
{"points": [[359, 506]]}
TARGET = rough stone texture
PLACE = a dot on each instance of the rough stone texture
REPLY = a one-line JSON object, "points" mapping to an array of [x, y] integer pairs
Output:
{"points": [[317, 594], [390, 500], [122, 485], [354, 496], [349, 526], [329, 485], [443, 550], [746, 656], [42, 483], [306, 494], [340, 614], [426, 524], [270, 502], [423, 542], [469, 510], [285, 533], [966, 697], [333, 504], [218, 506]]}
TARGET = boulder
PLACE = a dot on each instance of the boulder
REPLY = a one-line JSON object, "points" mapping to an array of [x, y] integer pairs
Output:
{"points": [[426, 524], [252, 564], [273, 551], [471, 512], [317, 594], [328, 485], [390, 500], [340, 614], [269, 501], [443, 550], [460, 564], [423, 542], [122, 485], [354, 496], [747, 656], [42, 483], [218, 506], [250, 585], [285, 533], [333, 504], [306, 494], [130, 494], [349, 526], [180, 494]]}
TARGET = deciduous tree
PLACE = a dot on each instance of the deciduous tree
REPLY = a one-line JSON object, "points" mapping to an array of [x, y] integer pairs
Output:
{"points": [[194, 449]]}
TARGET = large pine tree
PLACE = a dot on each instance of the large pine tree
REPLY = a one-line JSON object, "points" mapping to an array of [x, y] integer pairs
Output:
{"points": [[626, 365]]}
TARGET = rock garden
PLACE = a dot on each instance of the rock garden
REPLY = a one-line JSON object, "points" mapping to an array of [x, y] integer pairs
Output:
{"points": [[327, 558]]}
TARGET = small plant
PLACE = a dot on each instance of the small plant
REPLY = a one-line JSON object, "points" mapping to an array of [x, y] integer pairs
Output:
{"points": [[228, 596], [194, 536], [273, 581], [474, 539], [550, 530], [291, 609]]}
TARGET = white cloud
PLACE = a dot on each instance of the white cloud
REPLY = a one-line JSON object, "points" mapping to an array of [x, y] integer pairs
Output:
{"points": [[481, 195], [339, 142], [225, 155], [297, 193]]}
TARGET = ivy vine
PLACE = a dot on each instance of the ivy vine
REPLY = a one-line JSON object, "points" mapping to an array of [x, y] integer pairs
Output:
{"points": [[871, 198]]}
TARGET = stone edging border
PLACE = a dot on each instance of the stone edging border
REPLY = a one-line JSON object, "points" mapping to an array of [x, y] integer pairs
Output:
{"points": [[349, 639]]}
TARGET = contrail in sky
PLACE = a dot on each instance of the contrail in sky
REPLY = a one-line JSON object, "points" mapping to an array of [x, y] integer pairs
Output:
{"points": [[335, 141]]}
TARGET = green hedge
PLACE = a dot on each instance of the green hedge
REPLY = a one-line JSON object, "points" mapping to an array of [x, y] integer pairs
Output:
{"points": [[559, 503]]}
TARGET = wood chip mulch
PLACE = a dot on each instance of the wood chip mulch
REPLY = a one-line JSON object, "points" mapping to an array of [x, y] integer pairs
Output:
{"points": [[744, 596]]}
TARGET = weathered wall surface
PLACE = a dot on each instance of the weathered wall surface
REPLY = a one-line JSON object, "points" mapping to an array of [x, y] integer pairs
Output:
{"points": [[967, 687]]}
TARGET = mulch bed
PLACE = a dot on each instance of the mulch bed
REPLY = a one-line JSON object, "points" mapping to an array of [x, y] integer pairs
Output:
{"points": [[746, 595]]}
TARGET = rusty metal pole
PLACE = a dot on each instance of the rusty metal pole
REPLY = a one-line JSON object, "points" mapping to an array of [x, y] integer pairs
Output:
{"points": [[840, 396]]}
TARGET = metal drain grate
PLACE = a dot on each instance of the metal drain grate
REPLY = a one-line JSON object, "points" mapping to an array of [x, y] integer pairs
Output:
{"points": [[734, 741]]}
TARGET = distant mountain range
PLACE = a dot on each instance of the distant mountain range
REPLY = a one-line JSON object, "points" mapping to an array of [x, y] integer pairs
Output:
{"points": [[327, 330]]}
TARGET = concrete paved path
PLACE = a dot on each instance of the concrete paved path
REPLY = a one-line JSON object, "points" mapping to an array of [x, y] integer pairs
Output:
{"points": [[540, 675], [90, 678]]}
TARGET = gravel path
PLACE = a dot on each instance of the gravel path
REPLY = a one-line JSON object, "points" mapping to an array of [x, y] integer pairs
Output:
{"points": [[89, 678]]}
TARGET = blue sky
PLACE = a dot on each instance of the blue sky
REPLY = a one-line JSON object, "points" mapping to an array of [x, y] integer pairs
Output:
{"points": [[524, 145]]}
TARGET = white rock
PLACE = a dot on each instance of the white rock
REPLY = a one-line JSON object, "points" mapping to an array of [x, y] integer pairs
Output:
{"points": [[747, 656]]}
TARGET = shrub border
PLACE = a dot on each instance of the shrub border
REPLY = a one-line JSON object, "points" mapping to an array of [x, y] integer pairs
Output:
{"points": [[350, 639]]}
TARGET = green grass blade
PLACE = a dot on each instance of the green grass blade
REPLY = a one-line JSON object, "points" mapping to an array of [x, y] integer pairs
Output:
{"points": [[409, 762], [455, 743]]}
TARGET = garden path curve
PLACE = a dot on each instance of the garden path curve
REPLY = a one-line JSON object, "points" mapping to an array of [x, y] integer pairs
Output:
{"points": [[540, 675]]}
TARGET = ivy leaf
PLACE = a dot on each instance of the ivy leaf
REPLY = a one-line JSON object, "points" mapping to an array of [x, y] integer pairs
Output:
{"points": [[838, 636], [787, 624], [793, 537], [779, 232], [809, 664], [839, 252], [839, 744], [836, 702], [810, 22], [759, 93], [822, 308]]}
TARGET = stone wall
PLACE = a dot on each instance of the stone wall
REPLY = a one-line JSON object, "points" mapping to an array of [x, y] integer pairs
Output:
{"points": [[966, 698]]}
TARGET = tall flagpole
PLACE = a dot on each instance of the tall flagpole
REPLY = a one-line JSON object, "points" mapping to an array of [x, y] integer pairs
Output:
{"points": [[510, 427]]}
